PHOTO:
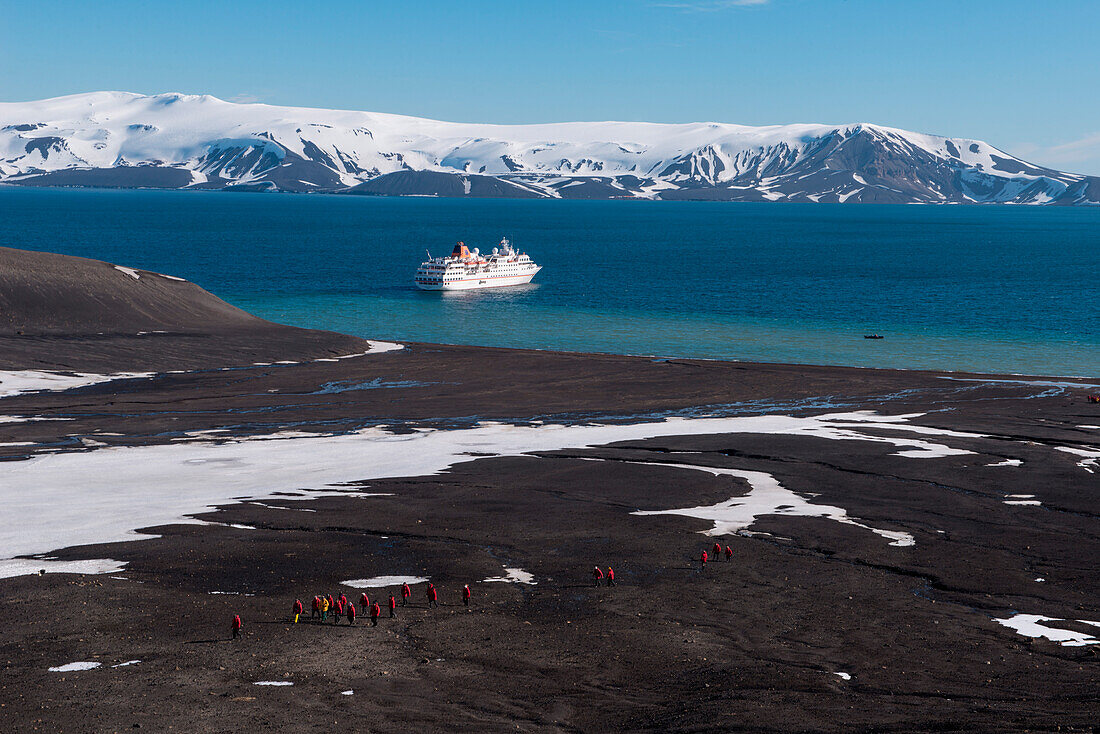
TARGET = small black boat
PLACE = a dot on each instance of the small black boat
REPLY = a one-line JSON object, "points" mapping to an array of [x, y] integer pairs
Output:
{"points": [[873, 336]]}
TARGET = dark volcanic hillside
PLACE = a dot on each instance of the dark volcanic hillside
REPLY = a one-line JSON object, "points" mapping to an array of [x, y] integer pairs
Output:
{"points": [[115, 139], [70, 312]]}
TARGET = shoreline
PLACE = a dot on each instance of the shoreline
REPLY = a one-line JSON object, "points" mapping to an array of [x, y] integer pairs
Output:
{"points": [[16, 185], [926, 534]]}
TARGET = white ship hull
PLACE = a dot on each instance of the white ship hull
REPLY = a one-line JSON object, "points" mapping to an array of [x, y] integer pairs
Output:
{"points": [[480, 281], [465, 269]]}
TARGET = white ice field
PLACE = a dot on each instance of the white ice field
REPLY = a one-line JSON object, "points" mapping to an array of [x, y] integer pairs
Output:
{"points": [[108, 494]]}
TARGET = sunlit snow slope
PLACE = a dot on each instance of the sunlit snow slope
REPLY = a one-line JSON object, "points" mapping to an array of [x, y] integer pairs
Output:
{"points": [[120, 139]]}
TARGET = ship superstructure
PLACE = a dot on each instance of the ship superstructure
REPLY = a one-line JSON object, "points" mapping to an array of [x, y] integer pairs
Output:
{"points": [[464, 269]]}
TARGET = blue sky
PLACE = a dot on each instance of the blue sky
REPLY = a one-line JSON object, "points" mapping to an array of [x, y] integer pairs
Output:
{"points": [[1024, 76]]}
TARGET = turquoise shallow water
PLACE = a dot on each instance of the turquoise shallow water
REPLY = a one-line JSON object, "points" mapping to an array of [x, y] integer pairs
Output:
{"points": [[992, 289]]}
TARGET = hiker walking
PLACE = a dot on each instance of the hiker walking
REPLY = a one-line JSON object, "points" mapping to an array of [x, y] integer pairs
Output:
{"points": [[375, 610], [466, 595], [406, 592], [324, 608], [597, 574], [316, 608], [297, 610], [433, 596], [236, 626], [703, 561], [351, 613], [610, 576], [393, 606], [717, 552], [729, 554], [364, 602]]}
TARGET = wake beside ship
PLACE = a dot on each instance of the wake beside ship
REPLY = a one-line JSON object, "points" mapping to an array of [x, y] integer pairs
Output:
{"points": [[464, 269]]}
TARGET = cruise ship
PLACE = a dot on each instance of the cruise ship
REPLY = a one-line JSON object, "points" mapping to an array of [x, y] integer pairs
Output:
{"points": [[465, 268]]}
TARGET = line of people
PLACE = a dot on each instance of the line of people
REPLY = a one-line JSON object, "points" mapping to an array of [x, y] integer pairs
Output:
{"points": [[332, 608], [326, 607]]}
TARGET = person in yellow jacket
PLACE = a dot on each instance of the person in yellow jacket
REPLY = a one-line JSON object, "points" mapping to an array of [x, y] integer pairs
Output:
{"points": [[324, 608]]}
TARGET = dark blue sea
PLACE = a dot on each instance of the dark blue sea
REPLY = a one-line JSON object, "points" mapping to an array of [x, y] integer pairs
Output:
{"points": [[984, 288]]}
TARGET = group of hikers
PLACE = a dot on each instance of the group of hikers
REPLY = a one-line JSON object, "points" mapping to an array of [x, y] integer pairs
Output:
{"points": [[328, 607], [597, 573], [718, 551]]}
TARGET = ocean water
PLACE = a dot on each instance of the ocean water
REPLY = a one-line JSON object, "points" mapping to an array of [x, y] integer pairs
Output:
{"points": [[982, 288]]}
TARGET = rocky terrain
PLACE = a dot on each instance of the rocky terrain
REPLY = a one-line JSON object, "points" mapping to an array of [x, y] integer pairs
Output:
{"points": [[910, 551]]}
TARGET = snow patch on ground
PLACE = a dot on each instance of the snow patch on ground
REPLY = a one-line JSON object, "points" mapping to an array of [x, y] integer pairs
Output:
{"points": [[382, 581], [273, 683], [514, 576], [1007, 462], [766, 497], [375, 348], [129, 271], [843, 676], [28, 419], [127, 663], [1031, 625], [10, 567], [16, 382], [105, 495], [346, 693], [1089, 463], [230, 593], [70, 667]]}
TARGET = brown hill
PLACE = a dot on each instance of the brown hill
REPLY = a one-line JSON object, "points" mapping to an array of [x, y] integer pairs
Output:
{"points": [[62, 312]]}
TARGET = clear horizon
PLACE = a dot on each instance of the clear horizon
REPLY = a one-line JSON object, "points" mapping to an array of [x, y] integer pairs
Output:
{"points": [[1009, 73]]}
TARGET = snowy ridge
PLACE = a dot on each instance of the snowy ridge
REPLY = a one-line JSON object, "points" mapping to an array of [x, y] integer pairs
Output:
{"points": [[190, 141]]}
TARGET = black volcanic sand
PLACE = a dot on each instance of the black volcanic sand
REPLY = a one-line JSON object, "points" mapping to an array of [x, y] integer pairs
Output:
{"points": [[750, 645], [70, 313]]}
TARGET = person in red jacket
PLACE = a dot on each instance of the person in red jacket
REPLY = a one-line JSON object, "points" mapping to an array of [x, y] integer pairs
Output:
{"points": [[729, 554], [316, 608], [331, 604], [351, 613], [597, 574], [236, 626], [466, 595], [433, 595], [343, 601], [610, 576], [297, 609], [703, 561], [406, 592], [717, 551], [393, 606], [375, 611], [337, 612], [364, 601]]}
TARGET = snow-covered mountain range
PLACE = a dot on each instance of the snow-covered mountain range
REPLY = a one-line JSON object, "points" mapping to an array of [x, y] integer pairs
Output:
{"points": [[183, 141]]}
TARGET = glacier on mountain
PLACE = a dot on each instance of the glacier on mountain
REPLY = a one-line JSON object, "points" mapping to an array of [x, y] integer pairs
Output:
{"points": [[119, 139]]}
